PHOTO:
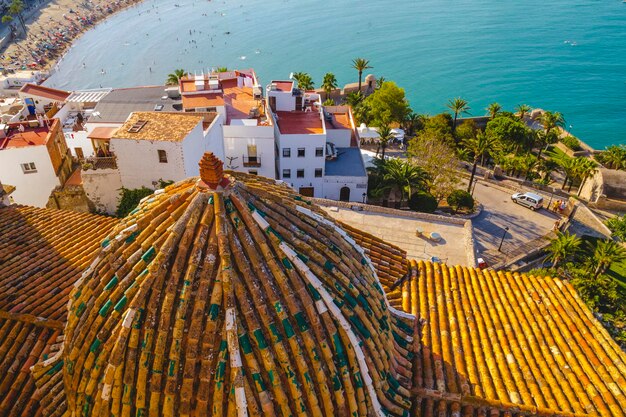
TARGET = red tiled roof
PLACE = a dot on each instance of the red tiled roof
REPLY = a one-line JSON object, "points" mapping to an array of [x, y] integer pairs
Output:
{"points": [[46, 92], [283, 85]]}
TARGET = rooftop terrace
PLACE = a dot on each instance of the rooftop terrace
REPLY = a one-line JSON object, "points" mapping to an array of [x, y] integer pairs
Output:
{"points": [[30, 136], [299, 123], [349, 163]]}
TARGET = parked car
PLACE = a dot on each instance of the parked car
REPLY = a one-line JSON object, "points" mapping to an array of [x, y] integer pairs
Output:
{"points": [[530, 200]]}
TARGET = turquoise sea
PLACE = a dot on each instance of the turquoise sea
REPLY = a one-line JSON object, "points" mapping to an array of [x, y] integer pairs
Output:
{"points": [[562, 55]]}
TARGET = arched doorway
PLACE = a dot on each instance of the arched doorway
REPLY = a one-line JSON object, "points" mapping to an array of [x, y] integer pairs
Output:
{"points": [[344, 194]]}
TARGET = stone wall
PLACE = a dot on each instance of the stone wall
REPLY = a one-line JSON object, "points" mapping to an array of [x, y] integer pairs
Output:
{"points": [[102, 187], [72, 197]]}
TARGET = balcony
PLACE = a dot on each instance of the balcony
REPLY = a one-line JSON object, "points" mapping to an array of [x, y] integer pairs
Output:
{"points": [[96, 162], [251, 161]]}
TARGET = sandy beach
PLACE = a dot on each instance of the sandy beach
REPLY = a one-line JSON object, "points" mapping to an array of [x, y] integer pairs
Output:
{"points": [[51, 30]]}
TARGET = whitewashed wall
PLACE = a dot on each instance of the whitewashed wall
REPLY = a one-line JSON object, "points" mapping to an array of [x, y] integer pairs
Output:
{"points": [[32, 189], [103, 188], [236, 141], [333, 185]]}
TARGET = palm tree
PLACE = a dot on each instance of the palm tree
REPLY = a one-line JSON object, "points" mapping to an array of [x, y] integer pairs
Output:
{"points": [[411, 123], [528, 164], [304, 80], [329, 83], [354, 98], [384, 137], [543, 139], [398, 174], [614, 157], [606, 253], [174, 78], [479, 145], [523, 110], [585, 169], [458, 106], [379, 82], [568, 166], [493, 109], [562, 247], [222, 69], [360, 64], [551, 120]]}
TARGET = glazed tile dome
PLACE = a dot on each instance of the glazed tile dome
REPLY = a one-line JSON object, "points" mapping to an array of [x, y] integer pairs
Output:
{"points": [[230, 295]]}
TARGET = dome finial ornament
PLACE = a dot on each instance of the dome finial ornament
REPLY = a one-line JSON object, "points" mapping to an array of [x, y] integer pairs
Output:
{"points": [[212, 172]]}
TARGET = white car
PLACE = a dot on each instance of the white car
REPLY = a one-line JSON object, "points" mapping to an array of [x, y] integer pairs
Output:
{"points": [[530, 200]]}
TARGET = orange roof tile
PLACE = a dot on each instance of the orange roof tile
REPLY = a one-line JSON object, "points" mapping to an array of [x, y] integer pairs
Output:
{"points": [[42, 253], [46, 92]]}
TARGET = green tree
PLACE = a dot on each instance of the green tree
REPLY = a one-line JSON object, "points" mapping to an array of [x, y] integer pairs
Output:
{"points": [[542, 139], [328, 102], [460, 199], [423, 202], [493, 109], [354, 99], [564, 246], [551, 121], [617, 225], [458, 106], [511, 133], [360, 64], [584, 169], [432, 151], [397, 174], [412, 123], [605, 254], [613, 157], [174, 78], [329, 83], [568, 166], [222, 69], [304, 80], [387, 105], [15, 9], [479, 146], [384, 138], [523, 110]]}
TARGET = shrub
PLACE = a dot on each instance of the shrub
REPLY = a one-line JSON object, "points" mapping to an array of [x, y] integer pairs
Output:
{"points": [[423, 202], [572, 143], [460, 199], [130, 199]]}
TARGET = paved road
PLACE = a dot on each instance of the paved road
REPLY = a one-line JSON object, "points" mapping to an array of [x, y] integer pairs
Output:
{"points": [[500, 212]]}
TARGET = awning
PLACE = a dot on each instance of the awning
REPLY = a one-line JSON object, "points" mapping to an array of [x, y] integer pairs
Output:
{"points": [[102, 133]]}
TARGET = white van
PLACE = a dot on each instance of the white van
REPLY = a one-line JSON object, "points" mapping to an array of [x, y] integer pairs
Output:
{"points": [[530, 200]]}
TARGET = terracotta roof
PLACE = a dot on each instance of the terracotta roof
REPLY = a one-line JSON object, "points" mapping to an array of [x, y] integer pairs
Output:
{"points": [[159, 126], [46, 92], [510, 344], [242, 299], [102, 133], [42, 253]]}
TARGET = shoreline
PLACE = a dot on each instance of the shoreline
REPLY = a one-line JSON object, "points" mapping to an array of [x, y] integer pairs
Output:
{"points": [[52, 33]]}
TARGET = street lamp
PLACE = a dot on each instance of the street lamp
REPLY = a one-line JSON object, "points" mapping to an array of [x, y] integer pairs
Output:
{"points": [[474, 186], [506, 229], [364, 195], [551, 194]]}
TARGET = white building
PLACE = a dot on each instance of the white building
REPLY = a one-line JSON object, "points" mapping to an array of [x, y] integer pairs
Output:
{"points": [[154, 146], [317, 148], [34, 158], [40, 100], [236, 97]]}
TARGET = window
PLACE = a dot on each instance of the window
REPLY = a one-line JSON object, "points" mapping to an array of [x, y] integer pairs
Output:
{"points": [[301, 152], [300, 173], [286, 152], [253, 172], [319, 151], [29, 168], [162, 156], [318, 172], [286, 173]]}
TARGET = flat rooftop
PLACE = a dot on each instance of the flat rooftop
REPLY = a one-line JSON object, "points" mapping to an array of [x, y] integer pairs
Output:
{"points": [[117, 105], [339, 121], [31, 136], [169, 127], [45, 92], [349, 163], [283, 85], [401, 231], [299, 123]]}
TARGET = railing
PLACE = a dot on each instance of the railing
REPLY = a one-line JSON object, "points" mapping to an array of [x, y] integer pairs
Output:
{"points": [[95, 162], [251, 161]]}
